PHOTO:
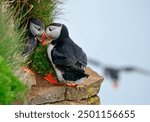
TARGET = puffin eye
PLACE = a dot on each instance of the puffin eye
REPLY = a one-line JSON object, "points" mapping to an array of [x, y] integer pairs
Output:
{"points": [[50, 29], [39, 29]]}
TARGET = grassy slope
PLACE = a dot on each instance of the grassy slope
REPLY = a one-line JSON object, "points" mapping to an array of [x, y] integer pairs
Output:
{"points": [[11, 88], [43, 10]]}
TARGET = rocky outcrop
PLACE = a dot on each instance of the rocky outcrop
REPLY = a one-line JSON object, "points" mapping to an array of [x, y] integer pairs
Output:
{"points": [[85, 93], [26, 78]]}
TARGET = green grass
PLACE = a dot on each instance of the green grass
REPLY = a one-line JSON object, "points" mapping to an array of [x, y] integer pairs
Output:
{"points": [[44, 10], [11, 89], [10, 40], [11, 45]]}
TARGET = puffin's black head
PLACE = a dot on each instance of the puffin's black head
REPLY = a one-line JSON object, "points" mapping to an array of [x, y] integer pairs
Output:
{"points": [[57, 31], [36, 28]]}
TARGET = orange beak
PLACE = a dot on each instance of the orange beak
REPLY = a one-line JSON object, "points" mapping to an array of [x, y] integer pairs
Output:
{"points": [[43, 39]]}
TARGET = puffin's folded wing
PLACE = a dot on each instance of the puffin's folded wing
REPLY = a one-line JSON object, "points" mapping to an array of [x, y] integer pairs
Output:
{"points": [[29, 46], [63, 59], [82, 58]]}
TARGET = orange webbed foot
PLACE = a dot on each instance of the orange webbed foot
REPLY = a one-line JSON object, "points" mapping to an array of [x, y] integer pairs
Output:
{"points": [[51, 78], [71, 84]]}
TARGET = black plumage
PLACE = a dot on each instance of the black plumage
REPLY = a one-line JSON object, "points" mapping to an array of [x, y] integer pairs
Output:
{"points": [[68, 57], [30, 45], [31, 40]]}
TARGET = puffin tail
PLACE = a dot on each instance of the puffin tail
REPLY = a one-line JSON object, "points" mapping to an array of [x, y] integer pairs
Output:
{"points": [[74, 76]]}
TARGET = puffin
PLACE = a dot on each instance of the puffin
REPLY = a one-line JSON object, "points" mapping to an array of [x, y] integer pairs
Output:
{"points": [[67, 58], [36, 32]]}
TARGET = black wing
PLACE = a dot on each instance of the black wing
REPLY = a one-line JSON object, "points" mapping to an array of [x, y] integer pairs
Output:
{"points": [[71, 59], [135, 69], [69, 54], [82, 58], [29, 46], [63, 59]]}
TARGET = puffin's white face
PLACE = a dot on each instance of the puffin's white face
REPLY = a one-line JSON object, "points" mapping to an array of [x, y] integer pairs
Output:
{"points": [[53, 32], [36, 30]]}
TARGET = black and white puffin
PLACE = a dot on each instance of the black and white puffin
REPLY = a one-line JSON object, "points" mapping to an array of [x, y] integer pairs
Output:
{"points": [[67, 58], [36, 32]]}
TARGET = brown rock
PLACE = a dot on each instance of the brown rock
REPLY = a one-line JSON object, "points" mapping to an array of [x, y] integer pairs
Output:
{"points": [[90, 87], [44, 92], [90, 101], [25, 77], [46, 95]]}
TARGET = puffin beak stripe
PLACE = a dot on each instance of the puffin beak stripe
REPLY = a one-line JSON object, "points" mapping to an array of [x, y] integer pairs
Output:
{"points": [[49, 38], [43, 39]]}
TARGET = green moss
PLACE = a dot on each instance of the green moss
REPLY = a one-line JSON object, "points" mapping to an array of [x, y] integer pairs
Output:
{"points": [[40, 62], [90, 90], [92, 100]]}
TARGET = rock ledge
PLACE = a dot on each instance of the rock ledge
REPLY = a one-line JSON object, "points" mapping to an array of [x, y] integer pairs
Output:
{"points": [[83, 94]]}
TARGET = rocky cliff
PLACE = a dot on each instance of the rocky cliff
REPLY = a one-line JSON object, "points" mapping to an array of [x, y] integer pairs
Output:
{"points": [[84, 94]]}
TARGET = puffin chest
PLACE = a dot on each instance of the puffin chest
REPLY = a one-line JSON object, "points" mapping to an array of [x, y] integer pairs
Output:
{"points": [[58, 72], [49, 51]]}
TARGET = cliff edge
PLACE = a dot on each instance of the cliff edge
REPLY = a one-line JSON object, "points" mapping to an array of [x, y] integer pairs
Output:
{"points": [[84, 94]]}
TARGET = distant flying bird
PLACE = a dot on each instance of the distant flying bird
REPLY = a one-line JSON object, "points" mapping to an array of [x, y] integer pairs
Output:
{"points": [[114, 73]]}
